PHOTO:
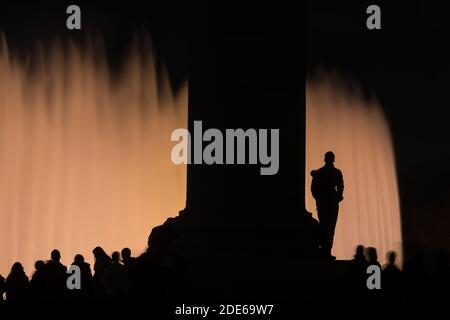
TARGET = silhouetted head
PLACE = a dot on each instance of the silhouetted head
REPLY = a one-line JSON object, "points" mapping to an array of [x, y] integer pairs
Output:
{"points": [[359, 254], [99, 253], [79, 259], [115, 256], [56, 255], [39, 265], [126, 254], [17, 268], [391, 256], [372, 255], [329, 157], [160, 238]]}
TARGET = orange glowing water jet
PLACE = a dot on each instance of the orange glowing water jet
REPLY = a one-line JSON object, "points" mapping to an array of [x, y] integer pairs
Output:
{"points": [[84, 156], [339, 119]]}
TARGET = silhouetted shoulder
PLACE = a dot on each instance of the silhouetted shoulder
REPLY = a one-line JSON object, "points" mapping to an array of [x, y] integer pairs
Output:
{"points": [[318, 172]]}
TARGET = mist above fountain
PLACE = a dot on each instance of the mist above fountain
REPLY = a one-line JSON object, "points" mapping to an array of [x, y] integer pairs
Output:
{"points": [[85, 155], [340, 119]]}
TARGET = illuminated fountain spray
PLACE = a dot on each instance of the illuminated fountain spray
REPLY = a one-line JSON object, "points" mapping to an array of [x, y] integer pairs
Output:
{"points": [[339, 119], [85, 156]]}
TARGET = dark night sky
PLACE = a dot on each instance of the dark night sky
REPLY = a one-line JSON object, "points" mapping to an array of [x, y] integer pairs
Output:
{"points": [[27, 22], [406, 65]]}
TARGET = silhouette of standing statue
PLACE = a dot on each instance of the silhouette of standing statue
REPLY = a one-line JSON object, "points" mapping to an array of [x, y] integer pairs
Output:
{"points": [[327, 187]]}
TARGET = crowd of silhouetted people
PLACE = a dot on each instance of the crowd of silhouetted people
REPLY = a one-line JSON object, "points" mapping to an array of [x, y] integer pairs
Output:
{"points": [[119, 276], [114, 277], [122, 276], [419, 278]]}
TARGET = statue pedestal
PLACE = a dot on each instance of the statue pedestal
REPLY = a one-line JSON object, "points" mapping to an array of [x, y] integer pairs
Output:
{"points": [[240, 230]]}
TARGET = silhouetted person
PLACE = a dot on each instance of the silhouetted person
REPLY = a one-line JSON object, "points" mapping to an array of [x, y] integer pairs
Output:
{"points": [[130, 265], [372, 257], [159, 267], [327, 188], [56, 274], [116, 278], [358, 271], [38, 282], [102, 261], [17, 286], [2, 287], [359, 256], [126, 256], [372, 260], [391, 277], [86, 278]]}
